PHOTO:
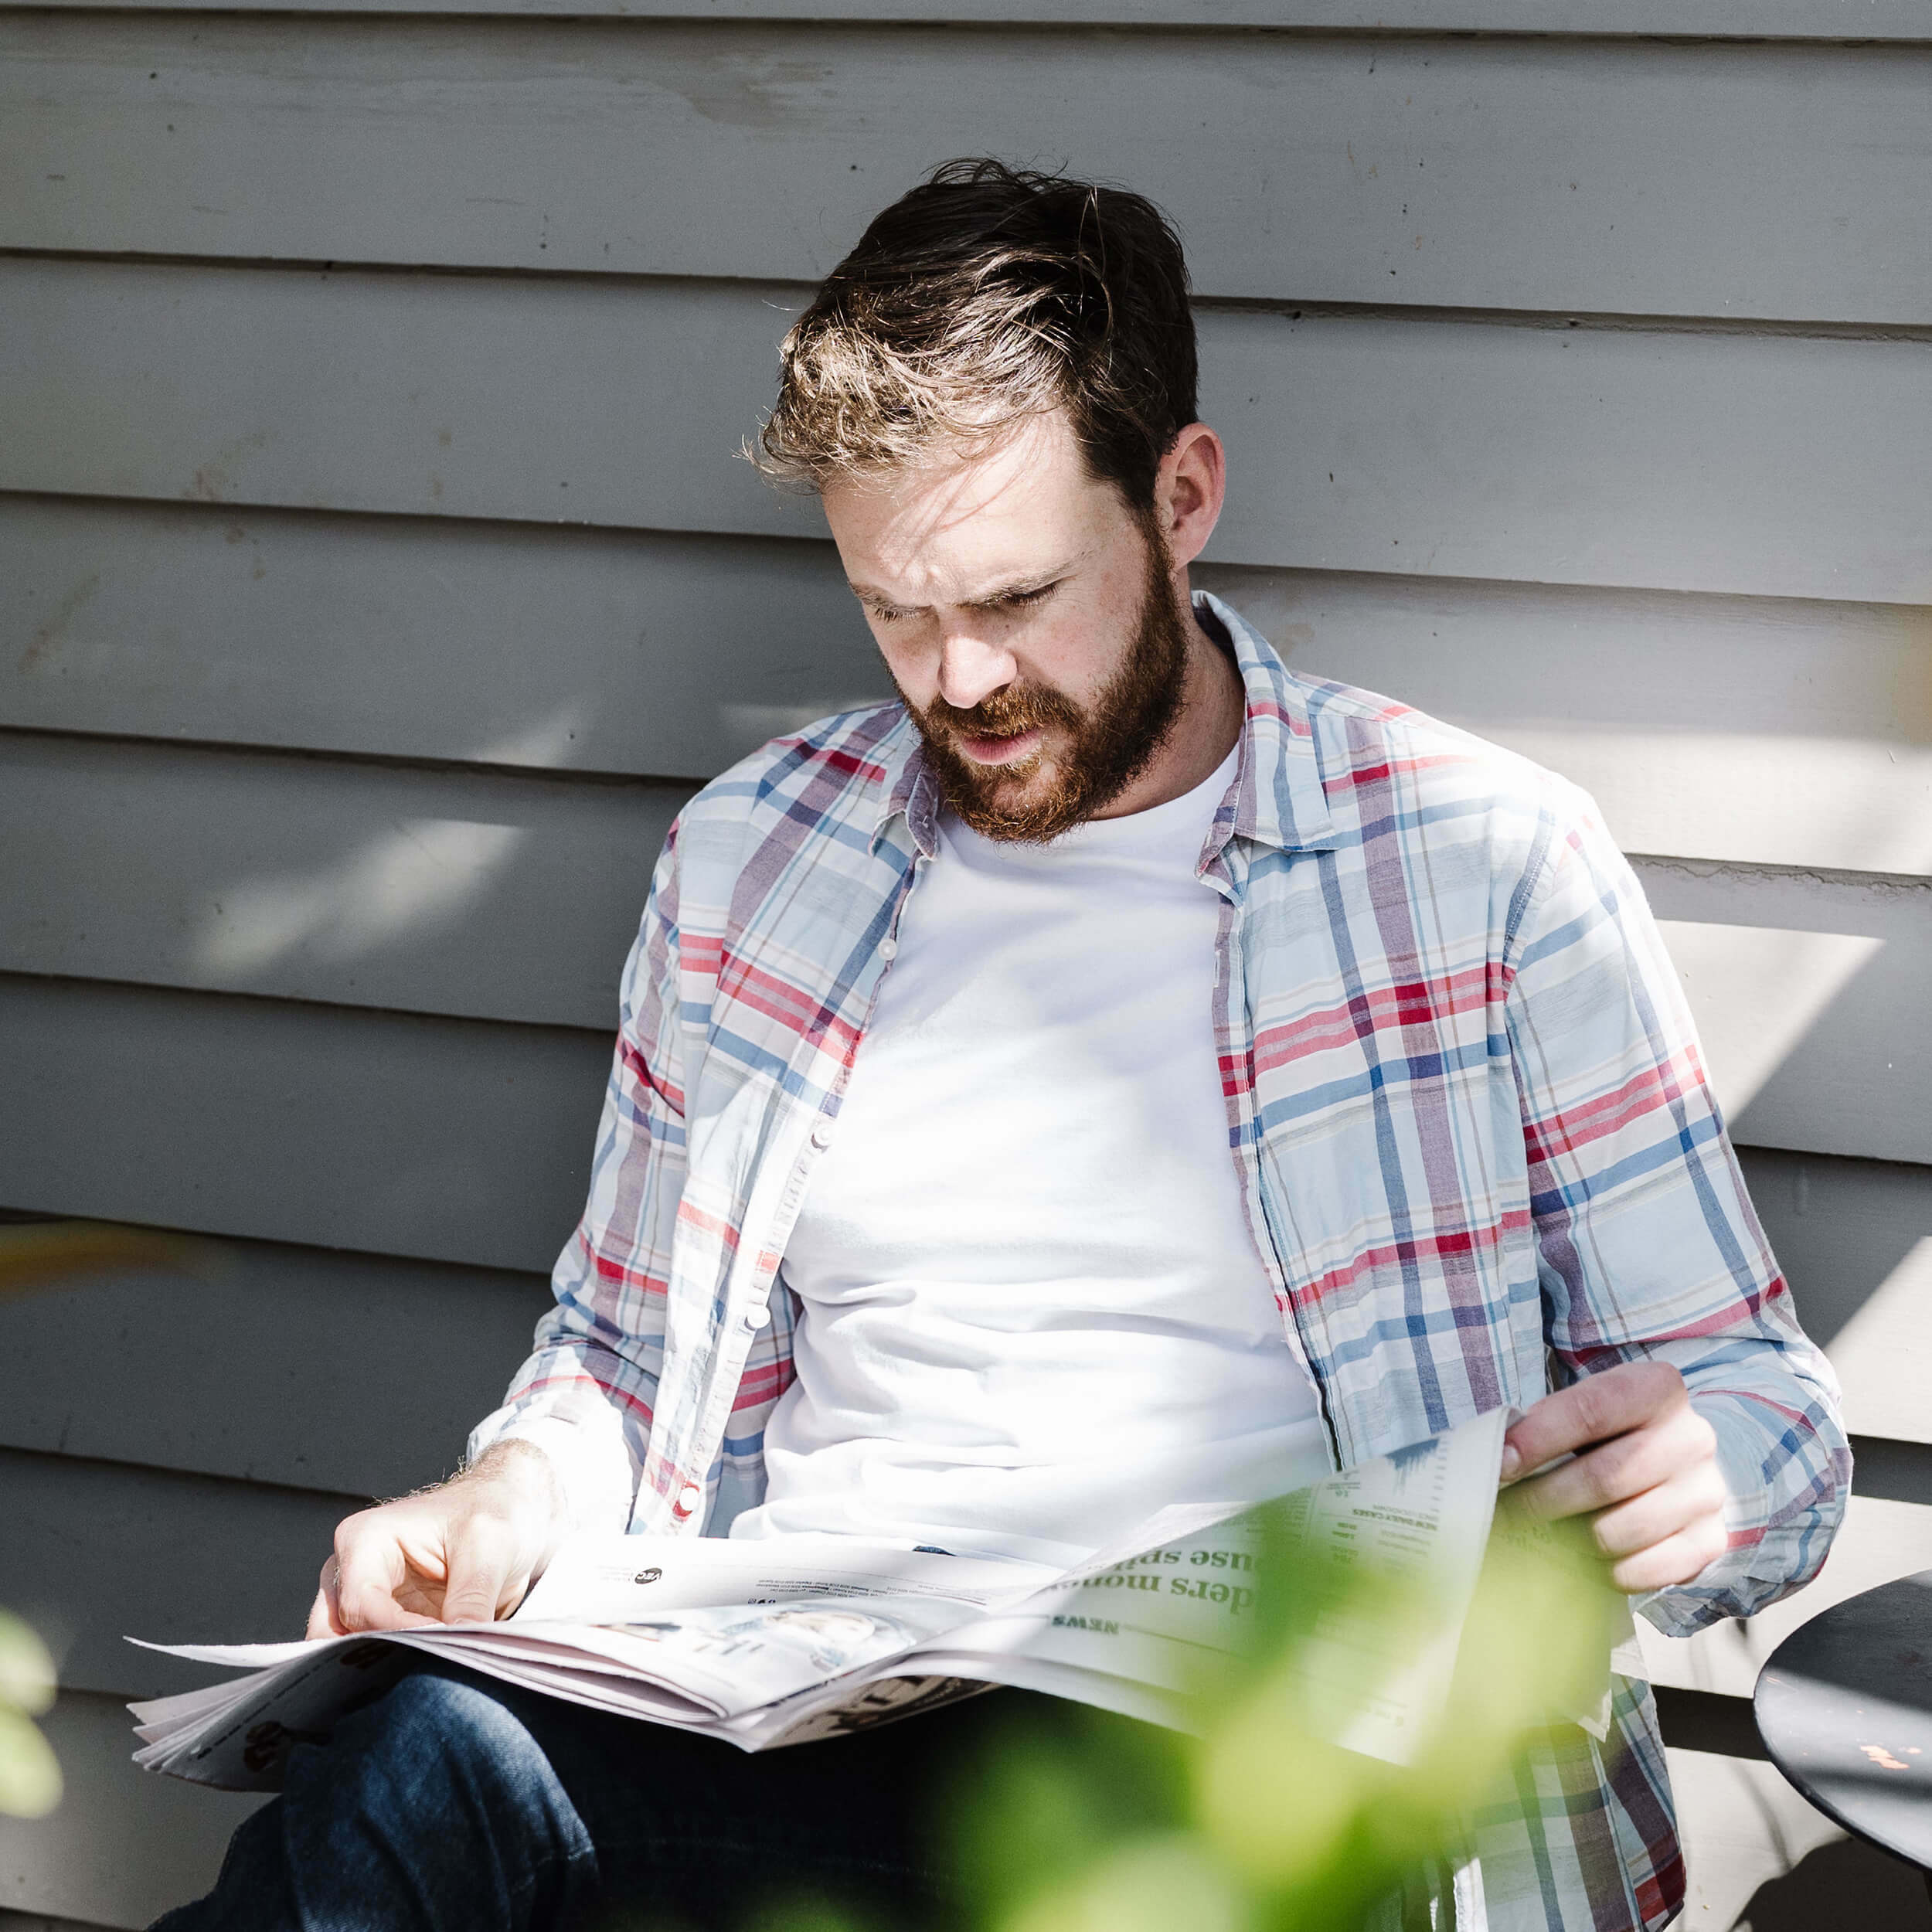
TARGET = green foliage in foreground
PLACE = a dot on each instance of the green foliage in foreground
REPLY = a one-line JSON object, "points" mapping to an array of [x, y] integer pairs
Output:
{"points": [[30, 1778]]}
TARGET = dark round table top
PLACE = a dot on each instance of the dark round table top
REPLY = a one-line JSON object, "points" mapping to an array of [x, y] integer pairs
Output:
{"points": [[1845, 1709]]}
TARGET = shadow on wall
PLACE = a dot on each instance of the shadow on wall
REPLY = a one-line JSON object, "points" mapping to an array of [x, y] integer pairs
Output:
{"points": [[1844, 1887]]}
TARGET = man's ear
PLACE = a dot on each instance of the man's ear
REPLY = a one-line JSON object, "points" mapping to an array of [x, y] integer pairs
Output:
{"points": [[1189, 490]]}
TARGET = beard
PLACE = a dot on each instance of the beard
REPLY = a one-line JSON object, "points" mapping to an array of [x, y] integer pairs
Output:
{"points": [[1096, 751]]}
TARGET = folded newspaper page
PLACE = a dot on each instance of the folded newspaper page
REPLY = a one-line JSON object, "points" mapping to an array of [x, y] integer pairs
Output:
{"points": [[782, 1640]]}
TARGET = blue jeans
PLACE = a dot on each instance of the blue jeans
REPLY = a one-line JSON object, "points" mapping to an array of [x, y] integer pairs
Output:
{"points": [[454, 1803]]}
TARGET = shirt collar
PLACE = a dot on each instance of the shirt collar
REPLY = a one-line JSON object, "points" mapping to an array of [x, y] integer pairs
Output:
{"points": [[1277, 798], [909, 787]]}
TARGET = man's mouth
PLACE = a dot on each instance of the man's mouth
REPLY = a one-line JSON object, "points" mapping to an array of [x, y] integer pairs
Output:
{"points": [[1006, 750]]}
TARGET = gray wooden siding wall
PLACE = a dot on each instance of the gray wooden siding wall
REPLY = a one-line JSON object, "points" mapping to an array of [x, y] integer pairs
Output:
{"points": [[379, 576]]}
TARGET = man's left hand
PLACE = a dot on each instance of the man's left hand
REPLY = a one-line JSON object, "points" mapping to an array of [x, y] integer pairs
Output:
{"points": [[1645, 1471]]}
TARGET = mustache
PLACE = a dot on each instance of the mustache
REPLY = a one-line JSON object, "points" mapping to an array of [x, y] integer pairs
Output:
{"points": [[1005, 713]]}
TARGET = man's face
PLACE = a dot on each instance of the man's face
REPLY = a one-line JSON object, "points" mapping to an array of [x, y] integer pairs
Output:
{"points": [[1030, 620]]}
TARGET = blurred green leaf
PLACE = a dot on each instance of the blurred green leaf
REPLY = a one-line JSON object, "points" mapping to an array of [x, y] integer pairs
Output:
{"points": [[804, 1915], [1163, 1884], [1044, 1800], [26, 1671], [29, 1777]]}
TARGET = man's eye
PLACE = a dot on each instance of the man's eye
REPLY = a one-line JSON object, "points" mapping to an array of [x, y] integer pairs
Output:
{"points": [[889, 613], [1022, 597]]}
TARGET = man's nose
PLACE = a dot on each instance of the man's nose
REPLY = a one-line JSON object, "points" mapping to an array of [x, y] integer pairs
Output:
{"points": [[970, 669]]}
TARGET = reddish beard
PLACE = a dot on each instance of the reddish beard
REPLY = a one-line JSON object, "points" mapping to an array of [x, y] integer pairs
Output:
{"points": [[1097, 751]]}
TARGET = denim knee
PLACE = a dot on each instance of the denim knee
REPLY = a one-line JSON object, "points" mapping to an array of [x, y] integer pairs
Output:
{"points": [[431, 1809], [433, 1729]]}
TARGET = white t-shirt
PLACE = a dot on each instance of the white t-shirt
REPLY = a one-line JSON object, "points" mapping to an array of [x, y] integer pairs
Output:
{"points": [[1031, 1313]]}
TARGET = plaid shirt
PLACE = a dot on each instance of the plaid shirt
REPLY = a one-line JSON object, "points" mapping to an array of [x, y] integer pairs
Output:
{"points": [[1464, 1098]]}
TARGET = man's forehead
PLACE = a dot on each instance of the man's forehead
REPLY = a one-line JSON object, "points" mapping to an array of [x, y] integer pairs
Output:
{"points": [[968, 529]]}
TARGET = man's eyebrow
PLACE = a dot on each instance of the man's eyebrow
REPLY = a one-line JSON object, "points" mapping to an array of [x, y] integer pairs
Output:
{"points": [[1018, 587]]}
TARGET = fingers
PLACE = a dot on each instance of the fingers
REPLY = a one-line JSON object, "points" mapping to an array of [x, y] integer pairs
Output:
{"points": [[1626, 1466], [1677, 1560], [1669, 1509], [1645, 1473], [375, 1577], [1592, 1410]]}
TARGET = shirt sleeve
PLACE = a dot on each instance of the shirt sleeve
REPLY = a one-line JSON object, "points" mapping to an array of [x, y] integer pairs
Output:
{"points": [[587, 1393], [1648, 1244]]}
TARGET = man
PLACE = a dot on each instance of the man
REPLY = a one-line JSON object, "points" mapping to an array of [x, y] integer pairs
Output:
{"points": [[1123, 1072]]}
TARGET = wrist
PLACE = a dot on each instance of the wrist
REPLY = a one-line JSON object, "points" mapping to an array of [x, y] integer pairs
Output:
{"points": [[532, 1489]]}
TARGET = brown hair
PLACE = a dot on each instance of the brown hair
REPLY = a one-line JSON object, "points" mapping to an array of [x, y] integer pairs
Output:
{"points": [[987, 295]]}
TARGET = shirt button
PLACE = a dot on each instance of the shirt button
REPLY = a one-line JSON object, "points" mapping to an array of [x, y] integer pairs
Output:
{"points": [[756, 1319], [888, 949], [821, 1135], [688, 1498]]}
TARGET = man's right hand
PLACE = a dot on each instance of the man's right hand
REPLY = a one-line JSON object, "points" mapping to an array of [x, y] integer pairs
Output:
{"points": [[465, 1553]]}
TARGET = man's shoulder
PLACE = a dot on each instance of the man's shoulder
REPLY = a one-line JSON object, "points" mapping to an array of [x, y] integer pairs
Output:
{"points": [[1447, 777]]}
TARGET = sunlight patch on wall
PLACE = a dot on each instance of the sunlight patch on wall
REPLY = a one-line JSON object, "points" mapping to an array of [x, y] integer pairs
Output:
{"points": [[1756, 992], [746, 726], [1855, 804], [1884, 1354], [415, 879]]}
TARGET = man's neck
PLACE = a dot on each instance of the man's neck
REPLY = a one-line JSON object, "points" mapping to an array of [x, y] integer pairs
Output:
{"points": [[1207, 728]]}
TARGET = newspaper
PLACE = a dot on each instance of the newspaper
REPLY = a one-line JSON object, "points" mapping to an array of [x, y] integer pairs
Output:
{"points": [[782, 1640]]}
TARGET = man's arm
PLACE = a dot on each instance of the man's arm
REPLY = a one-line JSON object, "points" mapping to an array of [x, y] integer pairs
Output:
{"points": [[586, 1394], [565, 1450], [1710, 1447]]}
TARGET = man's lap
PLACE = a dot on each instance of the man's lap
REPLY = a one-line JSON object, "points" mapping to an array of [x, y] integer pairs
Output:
{"points": [[454, 1800]]}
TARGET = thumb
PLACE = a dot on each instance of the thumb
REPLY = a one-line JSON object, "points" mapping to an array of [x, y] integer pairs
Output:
{"points": [[481, 1561], [325, 1615]]}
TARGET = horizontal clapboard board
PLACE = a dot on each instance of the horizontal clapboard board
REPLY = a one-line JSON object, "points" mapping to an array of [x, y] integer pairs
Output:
{"points": [[1773, 465], [319, 1382], [1772, 181], [309, 1368], [1899, 21], [480, 894], [503, 643], [627, 652], [97, 1552], [444, 1139]]}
